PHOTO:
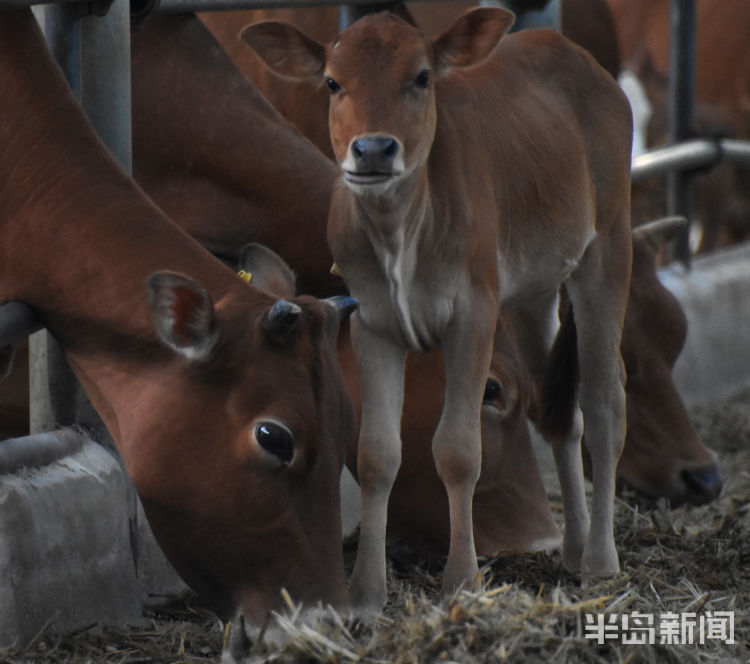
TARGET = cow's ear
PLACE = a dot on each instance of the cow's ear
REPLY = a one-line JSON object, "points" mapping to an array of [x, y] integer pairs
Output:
{"points": [[662, 231], [183, 314], [287, 51], [471, 38], [266, 270]]}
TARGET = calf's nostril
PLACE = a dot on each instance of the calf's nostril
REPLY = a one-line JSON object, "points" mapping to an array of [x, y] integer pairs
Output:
{"points": [[390, 148], [357, 150]]}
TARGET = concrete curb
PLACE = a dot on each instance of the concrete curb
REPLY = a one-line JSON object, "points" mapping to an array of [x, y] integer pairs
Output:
{"points": [[72, 551], [715, 295]]}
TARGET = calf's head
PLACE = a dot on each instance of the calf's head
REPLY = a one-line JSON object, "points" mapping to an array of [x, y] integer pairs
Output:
{"points": [[381, 73], [244, 497]]}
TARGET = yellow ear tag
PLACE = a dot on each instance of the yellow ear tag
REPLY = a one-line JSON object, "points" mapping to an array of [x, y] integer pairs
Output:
{"points": [[335, 270], [245, 276]]}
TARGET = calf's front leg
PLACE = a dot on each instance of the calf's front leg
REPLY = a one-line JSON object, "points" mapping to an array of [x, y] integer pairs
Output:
{"points": [[457, 443], [381, 366]]}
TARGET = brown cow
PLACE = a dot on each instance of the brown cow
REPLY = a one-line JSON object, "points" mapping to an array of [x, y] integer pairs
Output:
{"points": [[226, 403], [219, 160], [440, 212], [722, 107], [654, 334]]}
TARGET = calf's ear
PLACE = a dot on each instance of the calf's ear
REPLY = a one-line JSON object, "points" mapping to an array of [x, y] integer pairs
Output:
{"points": [[471, 38], [287, 51], [183, 314]]}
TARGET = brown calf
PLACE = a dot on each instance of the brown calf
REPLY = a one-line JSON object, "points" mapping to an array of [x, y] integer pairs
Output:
{"points": [[467, 180], [659, 460], [226, 403]]}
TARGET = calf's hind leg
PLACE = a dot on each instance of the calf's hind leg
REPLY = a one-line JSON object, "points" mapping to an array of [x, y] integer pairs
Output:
{"points": [[598, 292]]}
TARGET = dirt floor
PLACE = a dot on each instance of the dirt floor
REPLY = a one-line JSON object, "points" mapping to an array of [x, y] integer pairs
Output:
{"points": [[685, 570]]}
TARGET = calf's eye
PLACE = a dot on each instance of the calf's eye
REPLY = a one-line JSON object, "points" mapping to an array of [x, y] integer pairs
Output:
{"points": [[275, 439]]}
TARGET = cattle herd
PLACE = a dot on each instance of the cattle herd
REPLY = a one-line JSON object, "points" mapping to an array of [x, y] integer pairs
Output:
{"points": [[434, 231]]}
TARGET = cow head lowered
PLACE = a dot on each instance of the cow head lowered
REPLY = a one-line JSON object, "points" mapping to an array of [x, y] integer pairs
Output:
{"points": [[242, 520]]}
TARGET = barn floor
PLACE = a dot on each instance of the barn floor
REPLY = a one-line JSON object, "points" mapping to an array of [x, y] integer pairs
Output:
{"points": [[688, 560]]}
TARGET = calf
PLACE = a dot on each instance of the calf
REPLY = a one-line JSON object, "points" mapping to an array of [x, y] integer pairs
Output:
{"points": [[444, 210], [657, 460], [226, 403]]}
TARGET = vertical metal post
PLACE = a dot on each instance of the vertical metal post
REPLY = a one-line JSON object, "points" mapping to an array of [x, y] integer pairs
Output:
{"points": [[94, 54], [105, 79], [680, 110]]}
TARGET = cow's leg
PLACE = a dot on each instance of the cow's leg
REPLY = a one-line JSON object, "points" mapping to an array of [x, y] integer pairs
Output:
{"points": [[536, 321], [457, 443], [381, 365], [598, 291]]}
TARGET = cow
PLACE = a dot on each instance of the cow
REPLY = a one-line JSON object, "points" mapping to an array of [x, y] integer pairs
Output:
{"points": [[722, 101], [226, 403], [231, 170], [442, 211], [665, 456]]}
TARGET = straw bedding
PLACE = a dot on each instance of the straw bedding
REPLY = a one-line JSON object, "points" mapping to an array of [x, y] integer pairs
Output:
{"points": [[526, 608]]}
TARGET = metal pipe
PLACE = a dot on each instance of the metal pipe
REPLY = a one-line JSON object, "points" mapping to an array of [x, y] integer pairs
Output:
{"points": [[680, 109], [699, 153], [181, 6], [12, 5], [17, 321], [736, 152]]}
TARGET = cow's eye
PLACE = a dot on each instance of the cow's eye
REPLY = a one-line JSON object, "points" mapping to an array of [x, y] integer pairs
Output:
{"points": [[492, 390], [332, 85], [423, 79], [275, 439]]}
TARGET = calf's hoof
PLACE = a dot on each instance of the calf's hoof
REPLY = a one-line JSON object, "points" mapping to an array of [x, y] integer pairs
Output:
{"points": [[599, 563], [466, 574]]}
